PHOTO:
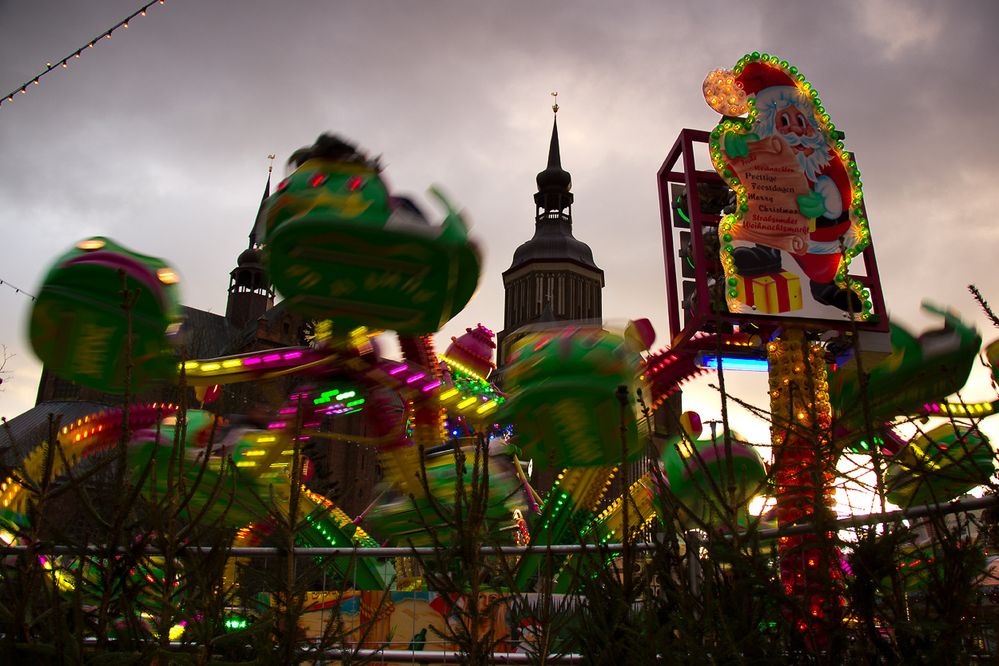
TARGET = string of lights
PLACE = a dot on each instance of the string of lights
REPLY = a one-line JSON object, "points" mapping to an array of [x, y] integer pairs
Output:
{"points": [[64, 63], [17, 290]]}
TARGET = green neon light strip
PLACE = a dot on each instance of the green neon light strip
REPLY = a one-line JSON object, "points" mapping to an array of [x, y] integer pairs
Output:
{"points": [[679, 211]]}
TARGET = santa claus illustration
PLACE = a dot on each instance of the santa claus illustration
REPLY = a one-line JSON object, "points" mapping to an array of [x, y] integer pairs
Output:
{"points": [[786, 112]]}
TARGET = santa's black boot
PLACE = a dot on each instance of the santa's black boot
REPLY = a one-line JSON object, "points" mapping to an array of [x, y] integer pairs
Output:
{"points": [[756, 260], [829, 293]]}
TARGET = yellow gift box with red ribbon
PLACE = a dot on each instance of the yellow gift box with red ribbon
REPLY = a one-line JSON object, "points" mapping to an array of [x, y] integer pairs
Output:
{"points": [[771, 294]]}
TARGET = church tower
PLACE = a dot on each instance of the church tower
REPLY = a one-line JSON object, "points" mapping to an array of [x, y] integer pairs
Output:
{"points": [[553, 277], [250, 291]]}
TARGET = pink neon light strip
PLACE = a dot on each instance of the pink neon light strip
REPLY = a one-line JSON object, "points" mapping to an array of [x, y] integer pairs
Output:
{"points": [[417, 377], [253, 360]]}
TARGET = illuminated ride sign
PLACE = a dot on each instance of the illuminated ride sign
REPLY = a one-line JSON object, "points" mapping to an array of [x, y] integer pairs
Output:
{"points": [[780, 248], [799, 212]]}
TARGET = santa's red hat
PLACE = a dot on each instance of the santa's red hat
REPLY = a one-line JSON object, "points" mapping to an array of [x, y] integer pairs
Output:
{"points": [[767, 82], [757, 76]]}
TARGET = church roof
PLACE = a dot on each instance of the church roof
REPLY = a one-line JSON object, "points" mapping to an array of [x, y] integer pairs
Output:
{"points": [[251, 257], [206, 334], [203, 335], [244, 339], [24, 432], [553, 241]]}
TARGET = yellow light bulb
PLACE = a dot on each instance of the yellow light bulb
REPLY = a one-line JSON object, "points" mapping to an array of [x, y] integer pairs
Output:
{"points": [[90, 244], [167, 276]]}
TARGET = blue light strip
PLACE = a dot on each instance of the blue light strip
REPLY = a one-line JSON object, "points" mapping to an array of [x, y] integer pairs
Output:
{"points": [[734, 363]]}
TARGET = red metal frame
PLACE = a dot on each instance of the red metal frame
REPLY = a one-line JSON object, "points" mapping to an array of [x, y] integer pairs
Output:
{"points": [[688, 176]]}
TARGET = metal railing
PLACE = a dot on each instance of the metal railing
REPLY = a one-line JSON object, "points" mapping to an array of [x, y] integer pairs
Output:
{"points": [[964, 505], [436, 650]]}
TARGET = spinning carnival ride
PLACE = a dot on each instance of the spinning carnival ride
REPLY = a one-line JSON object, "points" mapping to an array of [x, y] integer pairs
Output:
{"points": [[342, 249]]}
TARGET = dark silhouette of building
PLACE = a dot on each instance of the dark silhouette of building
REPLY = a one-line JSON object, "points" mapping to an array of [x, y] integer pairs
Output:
{"points": [[553, 277]]}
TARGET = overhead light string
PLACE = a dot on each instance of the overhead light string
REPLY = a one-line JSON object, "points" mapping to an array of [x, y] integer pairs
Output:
{"points": [[64, 63], [17, 290]]}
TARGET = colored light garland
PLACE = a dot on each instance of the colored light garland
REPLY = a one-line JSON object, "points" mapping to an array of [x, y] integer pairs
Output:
{"points": [[455, 365], [958, 409], [195, 369], [803, 460], [64, 63], [17, 290], [76, 436]]}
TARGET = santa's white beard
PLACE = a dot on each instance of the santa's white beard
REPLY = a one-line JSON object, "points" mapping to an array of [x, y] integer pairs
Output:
{"points": [[814, 163], [772, 100]]}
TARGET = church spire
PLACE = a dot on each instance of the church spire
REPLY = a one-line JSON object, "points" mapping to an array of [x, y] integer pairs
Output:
{"points": [[258, 222], [554, 198], [250, 291], [554, 158]]}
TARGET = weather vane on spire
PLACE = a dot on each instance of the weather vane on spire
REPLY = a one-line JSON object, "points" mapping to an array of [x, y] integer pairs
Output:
{"points": [[555, 105], [270, 167]]}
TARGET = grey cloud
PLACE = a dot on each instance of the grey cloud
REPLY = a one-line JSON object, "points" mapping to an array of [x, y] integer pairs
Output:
{"points": [[159, 137]]}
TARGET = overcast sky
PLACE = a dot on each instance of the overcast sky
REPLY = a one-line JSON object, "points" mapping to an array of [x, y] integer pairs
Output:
{"points": [[159, 137]]}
